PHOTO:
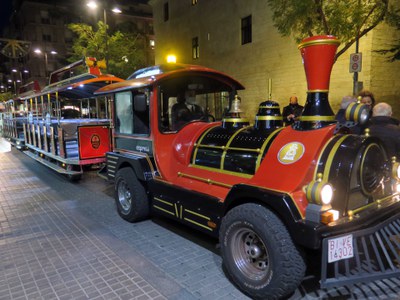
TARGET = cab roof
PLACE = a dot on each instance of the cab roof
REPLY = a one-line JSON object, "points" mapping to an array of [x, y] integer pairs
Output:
{"points": [[152, 75]]}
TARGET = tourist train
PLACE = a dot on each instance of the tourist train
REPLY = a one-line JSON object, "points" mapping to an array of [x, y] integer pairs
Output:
{"points": [[181, 148]]}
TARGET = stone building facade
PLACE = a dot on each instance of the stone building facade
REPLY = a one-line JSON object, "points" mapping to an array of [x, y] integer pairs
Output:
{"points": [[209, 33], [43, 23]]}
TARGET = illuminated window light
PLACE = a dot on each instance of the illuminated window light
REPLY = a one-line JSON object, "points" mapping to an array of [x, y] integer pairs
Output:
{"points": [[171, 58]]}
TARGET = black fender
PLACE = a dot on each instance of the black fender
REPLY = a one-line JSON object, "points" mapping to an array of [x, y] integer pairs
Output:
{"points": [[280, 203], [141, 165]]}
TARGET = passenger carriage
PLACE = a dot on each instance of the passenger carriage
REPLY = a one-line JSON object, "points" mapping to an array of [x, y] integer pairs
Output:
{"points": [[67, 128], [15, 114]]}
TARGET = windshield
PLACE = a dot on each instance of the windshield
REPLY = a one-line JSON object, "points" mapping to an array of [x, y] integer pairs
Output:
{"points": [[191, 98]]}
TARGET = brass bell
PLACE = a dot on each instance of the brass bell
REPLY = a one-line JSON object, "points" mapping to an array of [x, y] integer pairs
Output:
{"points": [[235, 107]]}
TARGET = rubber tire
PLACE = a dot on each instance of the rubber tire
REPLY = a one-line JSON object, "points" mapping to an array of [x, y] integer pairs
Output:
{"points": [[74, 178], [139, 207], [285, 261]]}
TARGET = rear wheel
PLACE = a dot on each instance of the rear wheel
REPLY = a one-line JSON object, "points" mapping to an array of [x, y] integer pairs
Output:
{"points": [[130, 196], [74, 178], [258, 253]]}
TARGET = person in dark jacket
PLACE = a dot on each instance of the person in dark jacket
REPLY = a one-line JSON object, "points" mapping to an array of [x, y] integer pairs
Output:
{"points": [[384, 126], [346, 101], [291, 112], [344, 126]]}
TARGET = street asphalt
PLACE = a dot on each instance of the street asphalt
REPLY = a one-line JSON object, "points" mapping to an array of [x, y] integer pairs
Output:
{"points": [[63, 240]]}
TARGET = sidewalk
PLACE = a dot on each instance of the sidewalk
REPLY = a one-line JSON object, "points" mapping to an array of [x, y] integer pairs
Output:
{"points": [[63, 240], [50, 250]]}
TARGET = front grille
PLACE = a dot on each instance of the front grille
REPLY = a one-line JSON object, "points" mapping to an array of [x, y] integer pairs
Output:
{"points": [[112, 162], [372, 168], [376, 256]]}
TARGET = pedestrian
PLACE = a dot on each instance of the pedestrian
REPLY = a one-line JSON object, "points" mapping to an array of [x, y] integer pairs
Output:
{"points": [[368, 99], [346, 101], [384, 126], [292, 111]]}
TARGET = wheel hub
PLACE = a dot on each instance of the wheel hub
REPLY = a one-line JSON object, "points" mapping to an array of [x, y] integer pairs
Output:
{"points": [[124, 196], [250, 254], [254, 251]]}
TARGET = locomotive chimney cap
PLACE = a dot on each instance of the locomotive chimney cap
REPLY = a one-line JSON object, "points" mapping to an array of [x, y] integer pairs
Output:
{"points": [[318, 55], [319, 40]]}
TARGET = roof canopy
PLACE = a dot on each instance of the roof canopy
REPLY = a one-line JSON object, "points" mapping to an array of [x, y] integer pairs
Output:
{"points": [[155, 74]]}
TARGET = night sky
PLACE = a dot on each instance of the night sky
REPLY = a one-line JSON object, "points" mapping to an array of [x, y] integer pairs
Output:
{"points": [[5, 12]]}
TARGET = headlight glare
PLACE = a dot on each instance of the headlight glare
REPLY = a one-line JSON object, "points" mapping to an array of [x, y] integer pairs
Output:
{"points": [[396, 171], [326, 194]]}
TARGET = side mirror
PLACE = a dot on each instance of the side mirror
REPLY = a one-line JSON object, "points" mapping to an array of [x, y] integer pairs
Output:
{"points": [[140, 102]]}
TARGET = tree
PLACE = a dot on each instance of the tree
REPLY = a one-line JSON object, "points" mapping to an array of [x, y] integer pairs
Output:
{"points": [[6, 96], [348, 20], [124, 50]]}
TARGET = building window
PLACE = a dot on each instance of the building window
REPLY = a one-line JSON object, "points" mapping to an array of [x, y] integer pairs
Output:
{"points": [[166, 12], [44, 17], [46, 37], [195, 48], [194, 2], [246, 30]]}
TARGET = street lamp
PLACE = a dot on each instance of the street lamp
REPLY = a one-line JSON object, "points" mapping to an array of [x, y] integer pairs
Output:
{"points": [[14, 85], [93, 5], [39, 51]]}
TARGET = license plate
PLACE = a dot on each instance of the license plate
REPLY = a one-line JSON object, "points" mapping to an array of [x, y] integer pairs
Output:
{"points": [[340, 248]]}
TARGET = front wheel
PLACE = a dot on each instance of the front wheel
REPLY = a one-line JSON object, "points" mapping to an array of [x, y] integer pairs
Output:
{"points": [[130, 196], [258, 253]]}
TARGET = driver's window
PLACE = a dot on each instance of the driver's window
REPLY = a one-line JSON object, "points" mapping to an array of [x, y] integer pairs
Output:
{"points": [[130, 117], [123, 113]]}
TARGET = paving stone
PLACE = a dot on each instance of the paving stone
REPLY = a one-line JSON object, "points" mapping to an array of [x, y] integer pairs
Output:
{"points": [[60, 240]]}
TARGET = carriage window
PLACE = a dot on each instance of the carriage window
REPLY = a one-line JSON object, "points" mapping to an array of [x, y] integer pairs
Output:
{"points": [[123, 113]]}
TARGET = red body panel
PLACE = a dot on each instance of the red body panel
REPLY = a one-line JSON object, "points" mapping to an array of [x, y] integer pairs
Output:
{"points": [[174, 153], [291, 177], [94, 141]]}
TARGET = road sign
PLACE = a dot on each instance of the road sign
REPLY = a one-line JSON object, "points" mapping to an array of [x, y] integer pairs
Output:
{"points": [[355, 62]]}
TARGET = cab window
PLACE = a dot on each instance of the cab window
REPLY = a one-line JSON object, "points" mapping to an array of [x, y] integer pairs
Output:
{"points": [[131, 118]]}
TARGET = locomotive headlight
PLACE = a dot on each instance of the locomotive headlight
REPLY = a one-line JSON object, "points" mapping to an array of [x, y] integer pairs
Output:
{"points": [[396, 170], [358, 113], [364, 115], [320, 195], [319, 192], [326, 194]]}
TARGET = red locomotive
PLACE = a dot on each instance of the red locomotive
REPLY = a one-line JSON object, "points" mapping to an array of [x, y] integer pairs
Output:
{"points": [[268, 192]]}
